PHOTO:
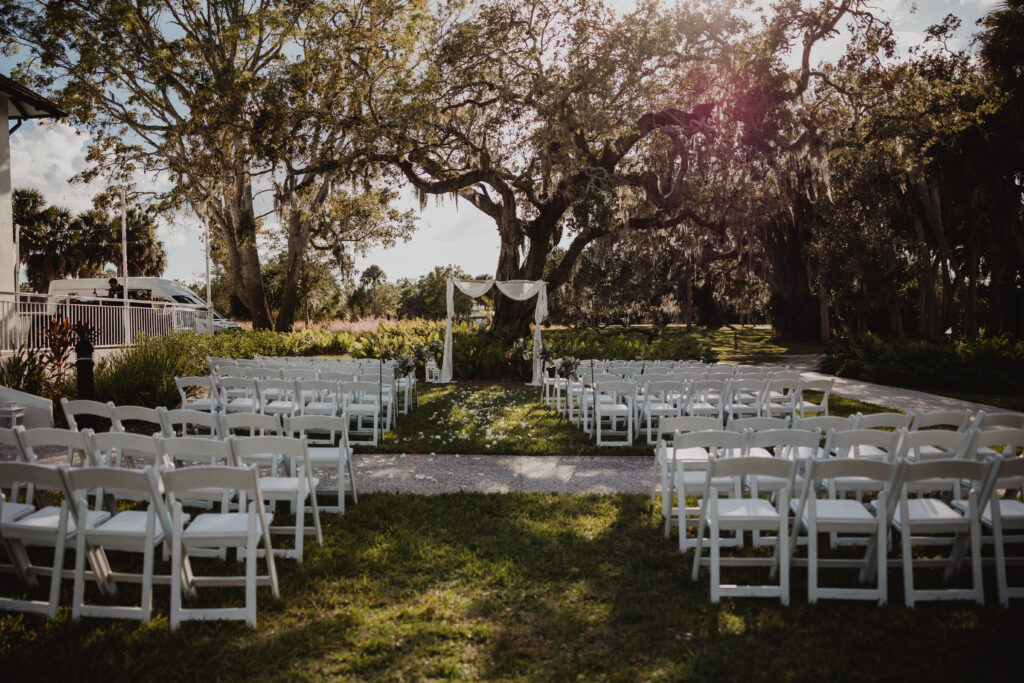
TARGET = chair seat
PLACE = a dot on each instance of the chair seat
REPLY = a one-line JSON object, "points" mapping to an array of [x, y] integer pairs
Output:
{"points": [[320, 408], [213, 525], [324, 455], [841, 512], [614, 409], [46, 520], [694, 480], [14, 511], [657, 407], [243, 405], [931, 515], [363, 408], [282, 406], [203, 404], [1011, 512], [693, 454], [274, 487], [745, 510]]}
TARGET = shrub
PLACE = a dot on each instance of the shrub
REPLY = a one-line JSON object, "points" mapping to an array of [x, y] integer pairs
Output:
{"points": [[994, 364], [143, 373], [25, 370]]}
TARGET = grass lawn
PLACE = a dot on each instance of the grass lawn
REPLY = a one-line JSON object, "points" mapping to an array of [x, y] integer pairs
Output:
{"points": [[517, 587], [491, 419]]}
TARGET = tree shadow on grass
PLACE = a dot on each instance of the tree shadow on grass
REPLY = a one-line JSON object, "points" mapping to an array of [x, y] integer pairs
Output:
{"points": [[537, 586]]}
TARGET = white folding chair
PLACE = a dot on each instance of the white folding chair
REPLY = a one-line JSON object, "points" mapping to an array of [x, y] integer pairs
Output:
{"points": [[363, 402], [920, 520], [238, 395], [319, 397], [295, 490], [127, 530], [741, 514], [48, 525], [780, 397], [1005, 517], [744, 397], [693, 451], [331, 451], [278, 397], [842, 516], [707, 398], [618, 409], [666, 458], [190, 389], [805, 405], [212, 530], [660, 401]]}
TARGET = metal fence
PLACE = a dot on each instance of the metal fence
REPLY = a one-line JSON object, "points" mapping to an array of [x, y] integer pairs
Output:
{"points": [[25, 318]]}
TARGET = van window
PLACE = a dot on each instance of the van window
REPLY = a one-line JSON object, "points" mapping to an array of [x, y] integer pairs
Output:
{"points": [[140, 294]]}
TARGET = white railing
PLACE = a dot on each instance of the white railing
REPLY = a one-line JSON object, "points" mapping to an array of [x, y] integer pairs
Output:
{"points": [[25, 318]]}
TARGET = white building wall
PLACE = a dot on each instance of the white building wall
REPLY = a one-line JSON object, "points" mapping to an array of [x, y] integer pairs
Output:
{"points": [[8, 271]]}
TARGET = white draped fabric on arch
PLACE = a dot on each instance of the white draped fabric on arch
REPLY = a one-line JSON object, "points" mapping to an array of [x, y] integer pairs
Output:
{"points": [[519, 290]]}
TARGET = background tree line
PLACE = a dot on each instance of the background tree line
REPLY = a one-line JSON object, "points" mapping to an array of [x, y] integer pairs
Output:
{"points": [[671, 163]]}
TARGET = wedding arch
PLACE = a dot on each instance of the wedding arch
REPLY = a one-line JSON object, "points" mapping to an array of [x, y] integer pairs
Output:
{"points": [[519, 290]]}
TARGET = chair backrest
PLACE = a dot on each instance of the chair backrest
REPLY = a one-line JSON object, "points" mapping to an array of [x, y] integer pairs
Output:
{"points": [[786, 374], [251, 422], [757, 424], [298, 373], [187, 419], [718, 442], [687, 423], [985, 420], [34, 441], [750, 466], [823, 386], [889, 476], [9, 438], [337, 375], [335, 429], [184, 384], [190, 481], [620, 389], [664, 389], [826, 422], [687, 375], [75, 409], [233, 371], [1011, 440], [784, 441], [951, 444], [884, 420], [192, 450], [255, 449], [236, 383], [957, 419], [148, 416], [847, 444], [111, 447], [955, 470], [31, 475], [282, 387]]}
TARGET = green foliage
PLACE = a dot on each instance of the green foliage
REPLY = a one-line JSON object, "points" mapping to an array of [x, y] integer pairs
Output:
{"points": [[587, 344], [24, 370], [993, 364], [142, 374]]}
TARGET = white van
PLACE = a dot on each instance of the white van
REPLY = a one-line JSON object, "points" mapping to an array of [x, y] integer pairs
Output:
{"points": [[143, 292]]}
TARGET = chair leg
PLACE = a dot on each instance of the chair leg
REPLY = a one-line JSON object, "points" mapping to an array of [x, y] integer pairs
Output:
{"points": [[979, 593], [882, 568], [250, 567], [716, 570], [908, 565], [176, 569], [812, 559]]}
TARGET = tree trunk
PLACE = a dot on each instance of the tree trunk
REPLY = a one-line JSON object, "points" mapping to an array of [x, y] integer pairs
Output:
{"points": [[971, 312], [824, 334], [235, 221], [298, 240]]}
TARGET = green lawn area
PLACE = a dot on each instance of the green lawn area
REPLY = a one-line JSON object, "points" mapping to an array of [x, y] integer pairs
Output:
{"points": [[753, 343], [491, 419], [516, 587]]}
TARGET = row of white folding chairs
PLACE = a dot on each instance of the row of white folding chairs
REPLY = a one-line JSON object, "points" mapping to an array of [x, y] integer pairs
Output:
{"points": [[331, 446], [634, 404], [400, 392], [955, 434], [404, 389], [153, 518], [735, 465], [366, 403], [327, 436]]}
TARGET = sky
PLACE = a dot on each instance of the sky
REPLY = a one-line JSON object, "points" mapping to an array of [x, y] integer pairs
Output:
{"points": [[45, 156]]}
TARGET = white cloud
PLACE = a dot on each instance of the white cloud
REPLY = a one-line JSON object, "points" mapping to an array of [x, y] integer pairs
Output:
{"points": [[45, 156]]}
